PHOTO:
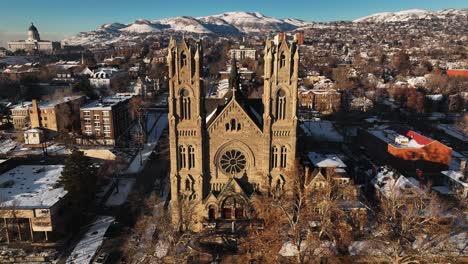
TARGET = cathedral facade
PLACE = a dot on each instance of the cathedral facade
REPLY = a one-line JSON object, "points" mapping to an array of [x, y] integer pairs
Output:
{"points": [[224, 151]]}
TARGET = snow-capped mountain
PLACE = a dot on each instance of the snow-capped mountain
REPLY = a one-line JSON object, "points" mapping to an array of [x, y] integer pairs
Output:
{"points": [[412, 14], [236, 23], [226, 23]]}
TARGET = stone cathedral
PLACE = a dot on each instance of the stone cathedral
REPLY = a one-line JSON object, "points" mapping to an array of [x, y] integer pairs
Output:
{"points": [[226, 150]]}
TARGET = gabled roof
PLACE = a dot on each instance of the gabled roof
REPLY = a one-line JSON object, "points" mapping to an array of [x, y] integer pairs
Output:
{"points": [[253, 108], [232, 184]]}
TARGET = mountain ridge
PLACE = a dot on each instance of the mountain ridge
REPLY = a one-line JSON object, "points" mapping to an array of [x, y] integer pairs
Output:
{"points": [[236, 22]]}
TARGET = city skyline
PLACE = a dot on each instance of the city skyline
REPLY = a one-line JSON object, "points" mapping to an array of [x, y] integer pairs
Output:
{"points": [[58, 19]]}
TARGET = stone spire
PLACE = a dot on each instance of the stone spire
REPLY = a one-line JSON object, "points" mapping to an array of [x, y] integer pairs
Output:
{"points": [[234, 77]]}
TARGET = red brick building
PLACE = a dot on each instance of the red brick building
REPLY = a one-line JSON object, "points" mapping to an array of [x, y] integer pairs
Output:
{"points": [[106, 121], [406, 150], [325, 101]]}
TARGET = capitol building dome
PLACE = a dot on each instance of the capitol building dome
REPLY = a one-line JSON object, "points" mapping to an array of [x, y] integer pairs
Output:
{"points": [[33, 42], [33, 33]]}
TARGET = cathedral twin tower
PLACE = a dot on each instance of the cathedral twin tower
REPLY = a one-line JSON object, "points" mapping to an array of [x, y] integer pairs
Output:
{"points": [[224, 151]]}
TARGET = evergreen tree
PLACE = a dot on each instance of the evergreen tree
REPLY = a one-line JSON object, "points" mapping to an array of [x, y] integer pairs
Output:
{"points": [[79, 178]]}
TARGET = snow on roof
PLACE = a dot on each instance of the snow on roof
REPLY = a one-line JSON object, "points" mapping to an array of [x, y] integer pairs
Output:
{"points": [[442, 190], [453, 131], [457, 176], [33, 130], [23, 105], [388, 183], [208, 118], [435, 97], [400, 137], [31, 186], [320, 160], [107, 103], [59, 101], [85, 250], [321, 131]]}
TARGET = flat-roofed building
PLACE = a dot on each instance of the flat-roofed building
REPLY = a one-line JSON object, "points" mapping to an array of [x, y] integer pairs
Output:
{"points": [[20, 114], [406, 150], [32, 205], [60, 115], [105, 121]]}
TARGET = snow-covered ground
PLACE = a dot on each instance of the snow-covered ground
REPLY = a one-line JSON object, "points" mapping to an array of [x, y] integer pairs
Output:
{"points": [[85, 250], [119, 195], [136, 165], [321, 131], [7, 145]]}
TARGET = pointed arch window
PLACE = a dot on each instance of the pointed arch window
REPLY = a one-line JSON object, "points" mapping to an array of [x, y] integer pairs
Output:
{"points": [[281, 105], [191, 159], [282, 60], [279, 184], [185, 105], [182, 157], [183, 59], [188, 185], [284, 153], [274, 157]]}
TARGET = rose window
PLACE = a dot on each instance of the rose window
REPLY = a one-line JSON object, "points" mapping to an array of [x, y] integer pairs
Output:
{"points": [[233, 162]]}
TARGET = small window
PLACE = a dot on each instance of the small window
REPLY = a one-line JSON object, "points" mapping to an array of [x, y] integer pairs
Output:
{"points": [[105, 113], [96, 117], [86, 113]]}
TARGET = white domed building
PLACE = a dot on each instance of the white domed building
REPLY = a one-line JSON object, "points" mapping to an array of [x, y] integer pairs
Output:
{"points": [[33, 42]]}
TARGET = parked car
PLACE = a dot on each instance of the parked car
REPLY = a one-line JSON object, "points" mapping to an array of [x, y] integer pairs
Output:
{"points": [[101, 259]]}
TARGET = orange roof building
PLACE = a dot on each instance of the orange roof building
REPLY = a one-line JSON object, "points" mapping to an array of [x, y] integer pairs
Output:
{"points": [[457, 72]]}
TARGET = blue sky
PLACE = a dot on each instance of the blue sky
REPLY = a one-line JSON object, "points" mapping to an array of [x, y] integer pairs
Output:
{"points": [[57, 18]]}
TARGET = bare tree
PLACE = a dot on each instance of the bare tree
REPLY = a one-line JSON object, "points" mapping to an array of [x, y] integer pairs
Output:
{"points": [[410, 230], [314, 223], [462, 124], [155, 239]]}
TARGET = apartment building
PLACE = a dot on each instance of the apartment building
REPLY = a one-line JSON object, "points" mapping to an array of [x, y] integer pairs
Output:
{"points": [[105, 121]]}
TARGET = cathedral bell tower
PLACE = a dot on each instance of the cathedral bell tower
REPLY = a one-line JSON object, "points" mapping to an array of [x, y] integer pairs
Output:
{"points": [[186, 123], [280, 110]]}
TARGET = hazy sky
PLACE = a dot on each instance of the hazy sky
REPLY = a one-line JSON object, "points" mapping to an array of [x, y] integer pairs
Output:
{"points": [[58, 18]]}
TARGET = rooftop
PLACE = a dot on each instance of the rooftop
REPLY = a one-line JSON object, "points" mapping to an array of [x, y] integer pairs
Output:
{"points": [[59, 101], [321, 131], [23, 105], [31, 186], [320, 160], [390, 183], [400, 137], [106, 103]]}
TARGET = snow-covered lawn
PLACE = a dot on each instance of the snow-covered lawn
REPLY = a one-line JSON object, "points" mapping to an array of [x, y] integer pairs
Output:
{"points": [[85, 250]]}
